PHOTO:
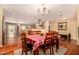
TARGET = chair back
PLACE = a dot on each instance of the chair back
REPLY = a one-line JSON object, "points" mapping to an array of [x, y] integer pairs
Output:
{"points": [[48, 38], [55, 36], [24, 40]]}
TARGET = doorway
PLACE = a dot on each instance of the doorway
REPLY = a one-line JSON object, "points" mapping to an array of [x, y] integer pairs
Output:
{"points": [[11, 33]]}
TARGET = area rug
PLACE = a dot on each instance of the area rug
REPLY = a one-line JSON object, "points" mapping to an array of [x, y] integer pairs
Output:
{"points": [[61, 51]]}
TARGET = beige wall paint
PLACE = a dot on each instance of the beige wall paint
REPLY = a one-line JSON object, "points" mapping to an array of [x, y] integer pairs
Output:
{"points": [[71, 27], [77, 26], [1, 14]]}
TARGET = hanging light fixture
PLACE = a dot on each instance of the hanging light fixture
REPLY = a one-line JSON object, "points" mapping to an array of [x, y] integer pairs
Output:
{"points": [[43, 10], [42, 16]]}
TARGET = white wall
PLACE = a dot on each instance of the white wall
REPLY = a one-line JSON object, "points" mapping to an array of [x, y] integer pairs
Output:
{"points": [[71, 27], [1, 14]]}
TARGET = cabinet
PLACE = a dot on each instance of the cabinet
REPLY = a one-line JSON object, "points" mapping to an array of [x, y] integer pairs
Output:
{"points": [[66, 36]]}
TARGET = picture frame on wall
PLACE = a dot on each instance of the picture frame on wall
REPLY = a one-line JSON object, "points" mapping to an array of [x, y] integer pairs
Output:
{"points": [[62, 26]]}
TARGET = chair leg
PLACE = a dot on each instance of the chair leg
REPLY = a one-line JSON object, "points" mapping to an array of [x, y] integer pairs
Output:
{"points": [[22, 52], [52, 50], [57, 45], [31, 51], [44, 51], [26, 52], [34, 53], [56, 48]]}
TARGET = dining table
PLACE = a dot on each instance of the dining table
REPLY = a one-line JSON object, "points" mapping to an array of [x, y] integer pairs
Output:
{"points": [[37, 41]]}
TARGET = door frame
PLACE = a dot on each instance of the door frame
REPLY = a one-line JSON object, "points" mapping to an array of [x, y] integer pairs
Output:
{"points": [[6, 24]]}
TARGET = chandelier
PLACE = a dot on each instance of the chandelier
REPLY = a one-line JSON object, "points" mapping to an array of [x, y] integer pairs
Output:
{"points": [[43, 10], [42, 15]]}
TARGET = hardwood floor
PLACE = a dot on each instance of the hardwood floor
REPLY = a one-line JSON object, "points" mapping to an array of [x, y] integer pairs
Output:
{"points": [[72, 48], [9, 49]]}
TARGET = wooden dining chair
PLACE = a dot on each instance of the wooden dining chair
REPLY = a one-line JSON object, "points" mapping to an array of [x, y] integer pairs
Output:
{"points": [[55, 41], [47, 42], [25, 46]]}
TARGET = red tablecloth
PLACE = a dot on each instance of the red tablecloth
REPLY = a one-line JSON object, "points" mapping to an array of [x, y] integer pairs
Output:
{"points": [[38, 40]]}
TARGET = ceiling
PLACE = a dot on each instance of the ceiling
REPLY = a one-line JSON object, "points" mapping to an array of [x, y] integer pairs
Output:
{"points": [[28, 12]]}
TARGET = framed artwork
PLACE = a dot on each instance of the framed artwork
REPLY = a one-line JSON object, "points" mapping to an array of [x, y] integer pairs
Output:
{"points": [[62, 26]]}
